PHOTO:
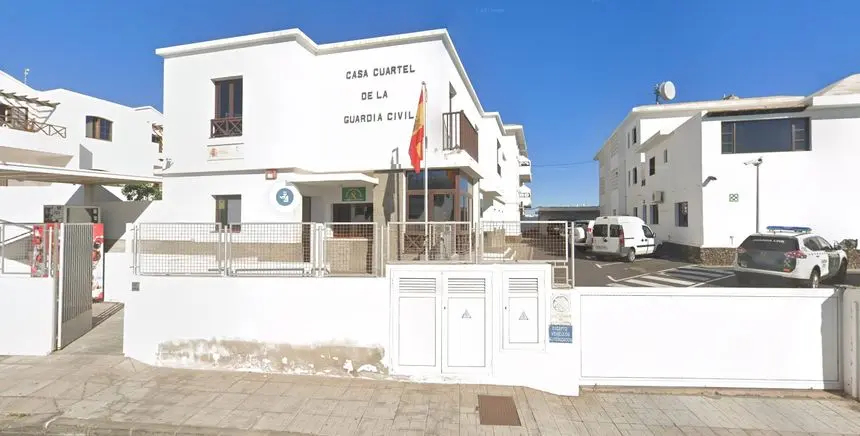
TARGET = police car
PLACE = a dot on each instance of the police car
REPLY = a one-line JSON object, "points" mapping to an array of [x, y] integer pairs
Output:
{"points": [[792, 254]]}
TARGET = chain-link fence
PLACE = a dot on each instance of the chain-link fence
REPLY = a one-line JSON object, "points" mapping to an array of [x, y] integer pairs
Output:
{"points": [[444, 242]]}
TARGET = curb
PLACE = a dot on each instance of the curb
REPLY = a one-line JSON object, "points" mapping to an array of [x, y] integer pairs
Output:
{"points": [[83, 427]]}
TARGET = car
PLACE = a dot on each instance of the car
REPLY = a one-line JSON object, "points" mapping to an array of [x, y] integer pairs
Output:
{"points": [[622, 236], [581, 233], [789, 254]]}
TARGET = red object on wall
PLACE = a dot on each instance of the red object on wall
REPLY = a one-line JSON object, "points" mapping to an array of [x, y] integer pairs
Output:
{"points": [[271, 174], [98, 262]]}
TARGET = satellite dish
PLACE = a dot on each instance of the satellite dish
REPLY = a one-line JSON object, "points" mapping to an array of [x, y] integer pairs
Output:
{"points": [[665, 91]]}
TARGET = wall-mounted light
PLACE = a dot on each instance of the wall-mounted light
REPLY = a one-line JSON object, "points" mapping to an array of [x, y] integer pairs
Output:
{"points": [[709, 179]]}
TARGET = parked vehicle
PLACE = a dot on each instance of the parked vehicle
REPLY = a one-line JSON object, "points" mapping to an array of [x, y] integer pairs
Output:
{"points": [[622, 236], [582, 234], [789, 254]]}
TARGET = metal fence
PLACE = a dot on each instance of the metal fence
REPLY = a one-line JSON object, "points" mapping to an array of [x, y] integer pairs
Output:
{"points": [[345, 249], [27, 249], [257, 249]]}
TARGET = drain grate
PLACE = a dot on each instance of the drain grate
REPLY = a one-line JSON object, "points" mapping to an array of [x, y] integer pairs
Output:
{"points": [[496, 410]]}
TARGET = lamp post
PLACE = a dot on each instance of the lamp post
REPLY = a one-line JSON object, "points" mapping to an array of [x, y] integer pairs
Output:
{"points": [[756, 163]]}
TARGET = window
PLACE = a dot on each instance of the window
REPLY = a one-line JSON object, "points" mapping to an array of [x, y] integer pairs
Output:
{"points": [[635, 136], [228, 98], [666, 156], [652, 166], [646, 231], [228, 211], [655, 214], [823, 243], [450, 196], [628, 178], [628, 139], [600, 231], [635, 211], [614, 231], [635, 179], [812, 244], [644, 213], [499, 157], [228, 109], [99, 128], [352, 213], [681, 214], [765, 136]]}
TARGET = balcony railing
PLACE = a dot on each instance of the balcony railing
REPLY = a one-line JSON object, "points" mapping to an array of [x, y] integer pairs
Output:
{"points": [[458, 133], [225, 127], [34, 126]]}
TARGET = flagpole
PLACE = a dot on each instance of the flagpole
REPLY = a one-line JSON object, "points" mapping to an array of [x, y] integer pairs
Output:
{"points": [[427, 202]]}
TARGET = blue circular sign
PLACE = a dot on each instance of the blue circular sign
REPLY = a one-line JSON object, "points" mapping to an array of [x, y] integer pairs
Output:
{"points": [[284, 197]]}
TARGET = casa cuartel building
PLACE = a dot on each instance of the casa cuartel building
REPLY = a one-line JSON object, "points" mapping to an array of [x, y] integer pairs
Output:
{"points": [[274, 127]]}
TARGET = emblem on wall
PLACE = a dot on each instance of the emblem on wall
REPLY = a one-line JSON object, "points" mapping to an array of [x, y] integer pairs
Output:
{"points": [[284, 197]]}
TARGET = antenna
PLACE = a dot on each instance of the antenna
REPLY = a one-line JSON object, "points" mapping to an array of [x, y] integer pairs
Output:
{"points": [[664, 91], [26, 73]]}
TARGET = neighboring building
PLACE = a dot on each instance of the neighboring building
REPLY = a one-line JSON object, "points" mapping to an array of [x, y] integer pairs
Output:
{"points": [[681, 167], [273, 127], [58, 146]]}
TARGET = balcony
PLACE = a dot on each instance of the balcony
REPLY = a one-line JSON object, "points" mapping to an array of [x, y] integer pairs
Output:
{"points": [[225, 127], [525, 169], [525, 199], [458, 133], [27, 125]]}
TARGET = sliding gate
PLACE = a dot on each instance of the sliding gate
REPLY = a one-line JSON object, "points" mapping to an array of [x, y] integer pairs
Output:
{"points": [[73, 281]]}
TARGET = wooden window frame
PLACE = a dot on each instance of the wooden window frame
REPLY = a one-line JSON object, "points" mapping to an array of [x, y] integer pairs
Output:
{"points": [[231, 95], [456, 193], [97, 128]]}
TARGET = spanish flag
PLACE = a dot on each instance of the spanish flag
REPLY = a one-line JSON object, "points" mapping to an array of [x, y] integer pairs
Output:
{"points": [[416, 145]]}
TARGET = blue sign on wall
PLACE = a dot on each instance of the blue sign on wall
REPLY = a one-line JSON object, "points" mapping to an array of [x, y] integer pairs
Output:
{"points": [[561, 333], [284, 196]]}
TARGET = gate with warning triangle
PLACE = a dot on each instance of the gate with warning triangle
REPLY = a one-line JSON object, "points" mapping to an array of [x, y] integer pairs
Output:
{"points": [[452, 319]]}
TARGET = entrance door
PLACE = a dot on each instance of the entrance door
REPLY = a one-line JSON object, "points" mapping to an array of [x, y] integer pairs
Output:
{"points": [[647, 243], [74, 284], [306, 229], [464, 321]]}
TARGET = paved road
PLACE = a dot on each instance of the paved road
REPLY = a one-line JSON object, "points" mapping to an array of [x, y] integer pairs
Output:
{"points": [[658, 273]]}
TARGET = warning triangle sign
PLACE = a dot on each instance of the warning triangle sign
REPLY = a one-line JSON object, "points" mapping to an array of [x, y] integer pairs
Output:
{"points": [[466, 315], [523, 316]]}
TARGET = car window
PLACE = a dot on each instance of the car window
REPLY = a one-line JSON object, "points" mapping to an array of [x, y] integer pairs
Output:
{"points": [[647, 231], [614, 231], [782, 244], [600, 230], [823, 243], [812, 244]]}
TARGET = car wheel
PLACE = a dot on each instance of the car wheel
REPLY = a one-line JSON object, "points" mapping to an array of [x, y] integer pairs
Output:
{"points": [[842, 275], [814, 279], [631, 255]]}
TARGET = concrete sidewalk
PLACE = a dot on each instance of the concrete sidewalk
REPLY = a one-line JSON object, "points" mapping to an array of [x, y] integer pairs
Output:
{"points": [[76, 394]]}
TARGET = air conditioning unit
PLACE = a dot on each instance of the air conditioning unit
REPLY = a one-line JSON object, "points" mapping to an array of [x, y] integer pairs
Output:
{"points": [[657, 197]]}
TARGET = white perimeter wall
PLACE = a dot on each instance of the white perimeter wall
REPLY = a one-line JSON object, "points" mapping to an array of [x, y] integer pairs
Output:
{"points": [[710, 337], [26, 316], [301, 312]]}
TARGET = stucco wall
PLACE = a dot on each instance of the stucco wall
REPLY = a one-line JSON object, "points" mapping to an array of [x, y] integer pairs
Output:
{"points": [[850, 346], [26, 316], [273, 324], [711, 337]]}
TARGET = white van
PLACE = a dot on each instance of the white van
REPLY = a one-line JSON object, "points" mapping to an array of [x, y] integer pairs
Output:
{"points": [[622, 236]]}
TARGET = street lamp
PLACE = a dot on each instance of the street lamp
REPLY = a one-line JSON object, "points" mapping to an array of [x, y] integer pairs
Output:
{"points": [[756, 163]]}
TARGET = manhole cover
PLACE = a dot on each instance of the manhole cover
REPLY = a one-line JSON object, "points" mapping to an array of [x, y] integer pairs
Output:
{"points": [[495, 410]]}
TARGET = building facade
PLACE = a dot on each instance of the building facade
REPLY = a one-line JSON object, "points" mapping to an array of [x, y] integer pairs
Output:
{"points": [[273, 127], [688, 168], [60, 147]]}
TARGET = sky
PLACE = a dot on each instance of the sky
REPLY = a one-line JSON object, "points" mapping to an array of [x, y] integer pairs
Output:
{"points": [[569, 71]]}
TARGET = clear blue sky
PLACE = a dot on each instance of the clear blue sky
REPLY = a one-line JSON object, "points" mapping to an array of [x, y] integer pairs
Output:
{"points": [[568, 70]]}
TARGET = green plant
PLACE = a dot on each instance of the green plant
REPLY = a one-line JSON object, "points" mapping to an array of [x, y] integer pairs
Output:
{"points": [[142, 192]]}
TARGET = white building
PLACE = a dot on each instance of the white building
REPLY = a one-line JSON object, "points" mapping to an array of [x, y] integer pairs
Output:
{"points": [[56, 146], [681, 167], [249, 116]]}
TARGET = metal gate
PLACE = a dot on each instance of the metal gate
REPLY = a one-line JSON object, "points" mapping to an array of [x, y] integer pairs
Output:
{"points": [[73, 282]]}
